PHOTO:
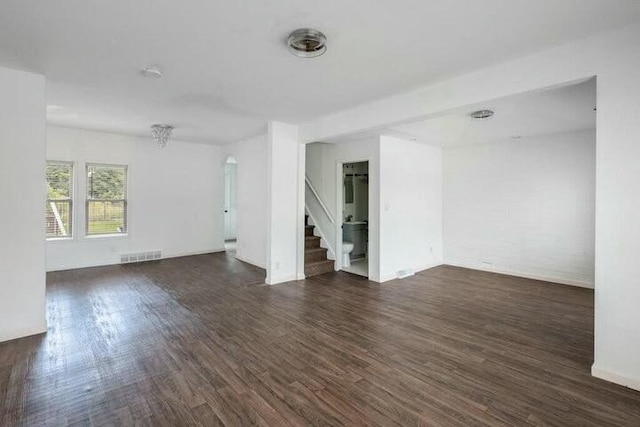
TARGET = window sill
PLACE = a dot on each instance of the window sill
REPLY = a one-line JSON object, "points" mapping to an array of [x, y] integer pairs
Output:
{"points": [[59, 239], [107, 236]]}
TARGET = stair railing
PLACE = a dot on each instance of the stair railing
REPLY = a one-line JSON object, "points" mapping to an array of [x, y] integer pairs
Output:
{"points": [[322, 218]]}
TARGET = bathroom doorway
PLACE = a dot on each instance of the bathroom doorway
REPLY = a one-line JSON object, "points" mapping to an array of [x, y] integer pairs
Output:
{"points": [[230, 205], [355, 218]]}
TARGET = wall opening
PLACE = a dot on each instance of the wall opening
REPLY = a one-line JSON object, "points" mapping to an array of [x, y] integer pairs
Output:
{"points": [[230, 205], [355, 218]]}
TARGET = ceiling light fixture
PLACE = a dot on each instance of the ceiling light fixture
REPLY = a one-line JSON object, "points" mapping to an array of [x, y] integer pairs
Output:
{"points": [[307, 43], [151, 72], [161, 134], [481, 114]]}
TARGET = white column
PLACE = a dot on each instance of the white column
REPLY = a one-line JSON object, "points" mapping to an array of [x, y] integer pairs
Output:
{"points": [[284, 216], [617, 272], [22, 191], [302, 161]]}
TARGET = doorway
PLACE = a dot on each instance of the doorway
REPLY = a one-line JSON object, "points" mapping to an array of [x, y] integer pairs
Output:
{"points": [[230, 205], [355, 218]]}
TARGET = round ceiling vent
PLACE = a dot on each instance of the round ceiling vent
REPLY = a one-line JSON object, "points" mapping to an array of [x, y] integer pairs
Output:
{"points": [[481, 114], [307, 43]]}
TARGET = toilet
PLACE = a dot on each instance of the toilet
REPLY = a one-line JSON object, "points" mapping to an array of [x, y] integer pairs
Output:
{"points": [[347, 247]]}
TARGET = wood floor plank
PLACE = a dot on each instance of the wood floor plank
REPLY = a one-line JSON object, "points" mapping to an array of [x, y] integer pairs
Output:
{"points": [[202, 341]]}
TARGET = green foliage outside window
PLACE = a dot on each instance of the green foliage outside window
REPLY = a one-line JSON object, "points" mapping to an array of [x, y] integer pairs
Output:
{"points": [[106, 183], [59, 208], [106, 207]]}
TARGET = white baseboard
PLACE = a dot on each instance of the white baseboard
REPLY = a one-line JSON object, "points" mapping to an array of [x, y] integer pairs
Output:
{"points": [[416, 270], [78, 266], [279, 280], [615, 378], [24, 332], [428, 266], [117, 262], [183, 254], [251, 261], [542, 278]]}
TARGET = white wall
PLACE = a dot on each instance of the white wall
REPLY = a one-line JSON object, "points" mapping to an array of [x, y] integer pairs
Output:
{"points": [[525, 208], [614, 58], [320, 169], [405, 204], [410, 206], [22, 161], [323, 170], [175, 197], [251, 220]]}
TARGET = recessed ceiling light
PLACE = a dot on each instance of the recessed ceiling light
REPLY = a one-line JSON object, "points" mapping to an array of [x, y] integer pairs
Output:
{"points": [[481, 114], [151, 72], [307, 43]]}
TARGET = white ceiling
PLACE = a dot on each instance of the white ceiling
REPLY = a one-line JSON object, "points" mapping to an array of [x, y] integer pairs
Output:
{"points": [[565, 109], [226, 68]]}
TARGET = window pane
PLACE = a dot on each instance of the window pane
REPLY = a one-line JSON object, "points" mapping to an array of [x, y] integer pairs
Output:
{"points": [[58, 218], [59, 180], [106, 199], [58, 208], [106, 182], [106, 217]]}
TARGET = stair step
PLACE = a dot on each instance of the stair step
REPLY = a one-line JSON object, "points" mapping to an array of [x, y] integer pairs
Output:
{"points": [[308, 230], [314, 255], [319, 267], [311, 242]]}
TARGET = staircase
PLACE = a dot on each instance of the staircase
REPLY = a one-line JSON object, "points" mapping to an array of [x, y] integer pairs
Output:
{"points": [[315, 257]]}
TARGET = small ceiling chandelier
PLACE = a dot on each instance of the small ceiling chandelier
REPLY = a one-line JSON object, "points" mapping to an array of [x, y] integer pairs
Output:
{"points": [[161, 134]]}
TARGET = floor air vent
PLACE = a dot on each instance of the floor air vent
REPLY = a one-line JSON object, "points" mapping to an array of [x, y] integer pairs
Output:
{"points": [[140, 257], [405, 273]]}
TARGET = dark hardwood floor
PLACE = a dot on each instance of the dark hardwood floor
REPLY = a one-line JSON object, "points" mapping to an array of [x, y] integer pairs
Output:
{"points": [[201, 341]]}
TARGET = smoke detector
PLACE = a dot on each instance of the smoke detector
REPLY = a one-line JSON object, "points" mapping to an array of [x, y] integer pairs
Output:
{"points": [[481, 114], [307, 43]]}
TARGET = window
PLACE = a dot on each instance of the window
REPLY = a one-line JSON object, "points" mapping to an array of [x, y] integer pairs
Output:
{"points": [[106, 199], [59, 207]]}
